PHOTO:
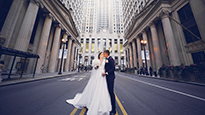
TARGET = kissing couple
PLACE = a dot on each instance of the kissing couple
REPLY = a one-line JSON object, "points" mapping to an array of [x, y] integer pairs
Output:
{"points": [[98, 95]]}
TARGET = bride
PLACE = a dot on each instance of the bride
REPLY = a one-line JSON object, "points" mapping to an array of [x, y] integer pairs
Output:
{"points": [[95, 95]]}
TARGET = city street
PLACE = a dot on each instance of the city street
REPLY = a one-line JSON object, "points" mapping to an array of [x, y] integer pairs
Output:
{"points": [[135, 96]]}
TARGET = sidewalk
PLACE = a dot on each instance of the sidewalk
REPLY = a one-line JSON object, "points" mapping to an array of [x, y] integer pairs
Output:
{"points": [[173, 80], [29, 78]]}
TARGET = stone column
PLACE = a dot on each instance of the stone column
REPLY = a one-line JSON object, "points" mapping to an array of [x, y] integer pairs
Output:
{"points": [[31, 63], [84, 45], [144, 36], [48, 51], [90, 44], [134, 54], [139, 52], [67, 63], [11, 20], [113, 46], [170, 40], [43, 42], [55, 49], [118, 46], [25, 32], [131, 57], [96, 43], [65, 35], [72, 56], [198, 9], [155, 41]]}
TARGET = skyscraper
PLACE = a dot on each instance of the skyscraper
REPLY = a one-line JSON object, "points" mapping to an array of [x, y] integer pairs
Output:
{"points": [[102, 29]]}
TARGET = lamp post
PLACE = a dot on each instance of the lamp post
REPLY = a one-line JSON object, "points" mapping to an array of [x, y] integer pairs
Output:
{"points": [[63, 43], [122, 55], [79, 61], [144, 42]]}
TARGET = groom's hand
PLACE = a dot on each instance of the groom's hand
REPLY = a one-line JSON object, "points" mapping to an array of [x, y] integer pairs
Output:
{"points": [[103, 74]]}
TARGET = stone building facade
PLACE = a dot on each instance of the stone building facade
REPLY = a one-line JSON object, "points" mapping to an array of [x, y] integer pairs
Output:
{"points": [[38, 26], [102, 29], [167, 41]]}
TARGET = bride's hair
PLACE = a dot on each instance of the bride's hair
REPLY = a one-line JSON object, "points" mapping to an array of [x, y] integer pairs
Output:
{"points": [[99, 55]]}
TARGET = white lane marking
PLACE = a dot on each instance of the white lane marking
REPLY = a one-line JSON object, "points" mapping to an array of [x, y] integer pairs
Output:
{"points": [[66, 79], [80, 79], [171, 90]]}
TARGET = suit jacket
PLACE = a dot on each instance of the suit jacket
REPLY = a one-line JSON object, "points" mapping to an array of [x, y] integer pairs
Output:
{"points": [[110, 68]]}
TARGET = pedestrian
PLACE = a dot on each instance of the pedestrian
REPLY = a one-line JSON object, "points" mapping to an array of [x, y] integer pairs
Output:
{"points": [[42, 67], [150, 70], [1, 69], [141, 70]]}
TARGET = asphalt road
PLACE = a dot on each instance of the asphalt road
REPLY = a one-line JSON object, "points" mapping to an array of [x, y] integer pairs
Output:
{"points": [[137, 96]]}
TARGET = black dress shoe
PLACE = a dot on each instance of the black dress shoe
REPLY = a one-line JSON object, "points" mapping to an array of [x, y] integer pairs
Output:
{"points": [[112, 114]]}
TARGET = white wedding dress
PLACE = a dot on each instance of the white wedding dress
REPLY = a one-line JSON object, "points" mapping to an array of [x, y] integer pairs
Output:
{"points": [[95, 95]]}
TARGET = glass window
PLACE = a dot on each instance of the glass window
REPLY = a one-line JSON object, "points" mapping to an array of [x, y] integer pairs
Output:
{"points": [[121, 46], [92, 58], [115, 46], [116, 60], [98, 45], [110, 45], [93, 46], [87, 45], [81, 45], [104, 44], [187, 19]]}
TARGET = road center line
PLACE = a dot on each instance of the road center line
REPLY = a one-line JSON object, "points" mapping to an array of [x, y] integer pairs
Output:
{"points": [[74, 111], [171, 90]]}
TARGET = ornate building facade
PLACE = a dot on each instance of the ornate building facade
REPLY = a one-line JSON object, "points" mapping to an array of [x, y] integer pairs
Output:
{"points": [[102, 29], [38, 26], [163, 24]]}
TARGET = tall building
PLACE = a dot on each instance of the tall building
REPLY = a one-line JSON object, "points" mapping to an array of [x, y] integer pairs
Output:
{"points": [[37, 27], [75, 7], [159, 22], [102, 29]]}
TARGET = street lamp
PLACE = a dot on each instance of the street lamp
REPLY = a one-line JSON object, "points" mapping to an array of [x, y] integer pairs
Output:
{"points": [[144, 42], [122, 55], [79, 61], [63, 43]]}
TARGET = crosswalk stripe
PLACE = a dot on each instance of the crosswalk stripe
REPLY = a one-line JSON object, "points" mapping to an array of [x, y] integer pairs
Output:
{"points": [[83, 111], [74, 111], [120, 105]]}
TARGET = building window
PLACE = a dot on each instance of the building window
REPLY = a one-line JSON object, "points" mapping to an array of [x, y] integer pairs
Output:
{"points": [[110, 47], [86, 60], [116, 60], [93, 46], [115, 45], [4, 9], [198, 57], [104, 44], [121, 46], [98, 48], [187, 19], [92, 58], [81, 45], [87, 45]]}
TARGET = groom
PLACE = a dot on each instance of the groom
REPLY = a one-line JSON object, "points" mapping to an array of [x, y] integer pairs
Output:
{"points": [[110, 77]]}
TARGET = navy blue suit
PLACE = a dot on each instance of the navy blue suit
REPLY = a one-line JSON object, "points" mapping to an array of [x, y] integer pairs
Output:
{"points": [[110, 77]]}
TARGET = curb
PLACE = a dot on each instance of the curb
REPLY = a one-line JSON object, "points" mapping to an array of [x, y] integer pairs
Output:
{"points": [[173, 80], [35, 79]]}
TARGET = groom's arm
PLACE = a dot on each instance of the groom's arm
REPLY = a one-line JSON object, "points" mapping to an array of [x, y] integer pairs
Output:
{"points": [[112, 67]]}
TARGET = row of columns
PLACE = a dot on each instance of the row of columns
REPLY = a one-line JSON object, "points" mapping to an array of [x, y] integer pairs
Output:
{"points": [[45, 44], [170, 42]]}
